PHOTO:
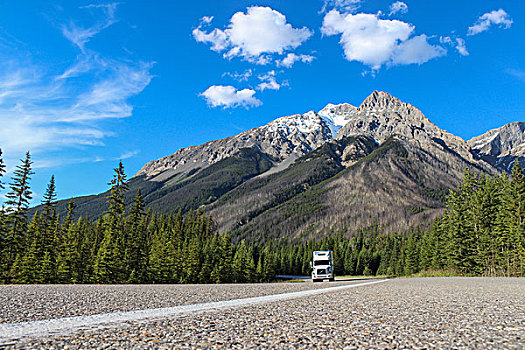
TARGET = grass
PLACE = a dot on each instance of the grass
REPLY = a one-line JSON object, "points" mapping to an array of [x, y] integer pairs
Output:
{"points": [[438, 273]]}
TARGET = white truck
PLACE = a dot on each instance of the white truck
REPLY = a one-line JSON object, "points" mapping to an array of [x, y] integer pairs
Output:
{"points": [[322, 266]]}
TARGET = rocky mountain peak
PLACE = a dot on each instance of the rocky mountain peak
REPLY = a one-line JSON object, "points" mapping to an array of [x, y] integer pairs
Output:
{"points": [[381, 100], [506, 140], [500, 147], [381, 116]]}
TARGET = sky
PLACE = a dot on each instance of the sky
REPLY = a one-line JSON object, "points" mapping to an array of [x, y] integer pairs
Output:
{"points": [[85, 84]]}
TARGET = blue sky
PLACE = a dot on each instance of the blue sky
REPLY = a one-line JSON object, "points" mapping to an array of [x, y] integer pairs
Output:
{"points": [[86, 83]]}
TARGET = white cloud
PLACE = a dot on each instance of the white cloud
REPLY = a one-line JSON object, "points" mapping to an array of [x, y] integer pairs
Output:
{"points": [[216, 37], [127, 155], [240, 77], [416, 50], [254, 35], [458, 43], [348, 6], [206, 20], [229, 96], [80, 36], [376, 42], [289, 60], [498, 17], [43, 110], [461, 47], [268, 82], [398, 7], [56, 162], [445, 40]]}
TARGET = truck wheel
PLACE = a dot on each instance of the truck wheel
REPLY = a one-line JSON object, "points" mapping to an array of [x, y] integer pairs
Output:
{"points": [[315, 280], [332, 279]]}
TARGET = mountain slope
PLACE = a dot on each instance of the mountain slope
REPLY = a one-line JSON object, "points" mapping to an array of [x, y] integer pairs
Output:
{"points": [[261, 193], [396, 186], [382, 163], [186, 192], [501, 147]]}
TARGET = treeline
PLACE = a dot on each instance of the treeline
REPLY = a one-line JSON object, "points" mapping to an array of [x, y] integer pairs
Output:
{"points": [[483, 229], [125, 245], [481, 233]]}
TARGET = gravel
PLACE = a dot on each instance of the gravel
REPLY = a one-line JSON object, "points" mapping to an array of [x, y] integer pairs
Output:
{"points": [[21, 303], [403, 313]]}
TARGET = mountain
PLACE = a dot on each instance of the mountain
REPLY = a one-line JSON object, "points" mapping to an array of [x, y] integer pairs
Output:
{"points": [[284, 137], [501, 147], [380, 164], [381, 115]]}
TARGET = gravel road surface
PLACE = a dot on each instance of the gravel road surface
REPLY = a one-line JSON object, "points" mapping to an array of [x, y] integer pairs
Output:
{"points": [[21, 303], [402, 313]]}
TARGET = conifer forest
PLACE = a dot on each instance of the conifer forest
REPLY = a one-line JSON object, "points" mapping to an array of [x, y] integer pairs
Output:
{"points": [[481, 233]]}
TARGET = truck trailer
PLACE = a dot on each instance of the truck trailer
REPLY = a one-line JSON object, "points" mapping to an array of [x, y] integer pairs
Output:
{"points": [[322, 266]]}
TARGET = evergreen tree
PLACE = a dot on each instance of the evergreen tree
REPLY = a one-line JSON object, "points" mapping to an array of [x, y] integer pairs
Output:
{"points": [[71, 206], [49, 201], [27, 266], [18, 199], [137, 244], [110, 265], [2, 170], [3, 220], [50, 233], [222, 272]]}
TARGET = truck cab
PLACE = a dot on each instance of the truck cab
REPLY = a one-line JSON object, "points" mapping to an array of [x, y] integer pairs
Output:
{"points": [[322, 266]]}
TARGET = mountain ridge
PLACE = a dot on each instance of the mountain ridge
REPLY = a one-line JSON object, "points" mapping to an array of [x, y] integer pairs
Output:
{"points": [[380, 116], [501, 146], [382, 164]]}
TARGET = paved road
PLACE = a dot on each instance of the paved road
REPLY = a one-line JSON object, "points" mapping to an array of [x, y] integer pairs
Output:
{"points": [[20, 303], [401, 313]]}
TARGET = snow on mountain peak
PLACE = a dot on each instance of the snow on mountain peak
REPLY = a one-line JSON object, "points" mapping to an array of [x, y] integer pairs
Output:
{"points": [[304, 123], [336, 116]]}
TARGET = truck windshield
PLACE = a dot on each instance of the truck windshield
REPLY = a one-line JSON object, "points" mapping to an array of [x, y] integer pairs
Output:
{"points": [[321, 262]]}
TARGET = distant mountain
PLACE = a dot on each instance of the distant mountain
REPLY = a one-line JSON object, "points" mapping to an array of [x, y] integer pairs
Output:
{"points": [[501, 147], [380, 164]]}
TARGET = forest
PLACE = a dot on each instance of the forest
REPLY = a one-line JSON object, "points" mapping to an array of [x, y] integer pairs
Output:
{"points": [[482, 233]]}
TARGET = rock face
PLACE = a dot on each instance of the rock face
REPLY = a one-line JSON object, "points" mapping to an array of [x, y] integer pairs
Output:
{"points": [[501, 147], [381, 116], [293, 135]]}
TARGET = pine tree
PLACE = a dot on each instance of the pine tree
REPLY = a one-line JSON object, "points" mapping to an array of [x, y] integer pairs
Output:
{"points": [[161, 259], [49, 201], [516, 208], [18, 199], [461, 242], [115, 199], [109, 264], [191, 262], [222, 272], [137, 243], [71, 206], [3, 220], [28, 265], [2, 170], [240, 263], [411, 255], [50, 233]]}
